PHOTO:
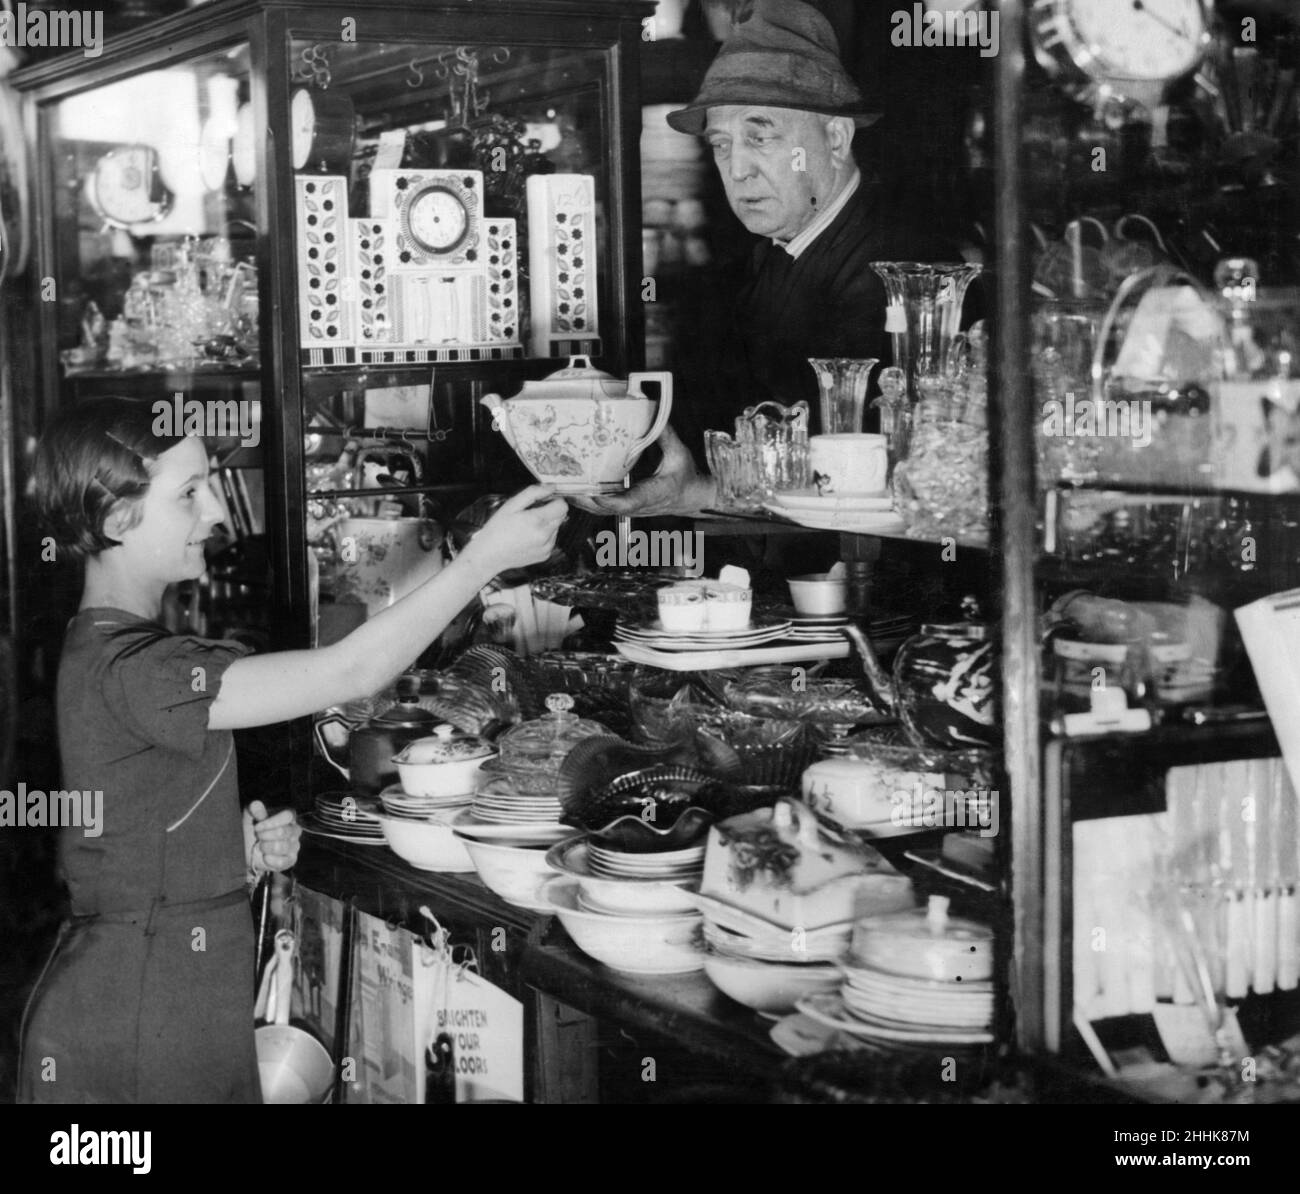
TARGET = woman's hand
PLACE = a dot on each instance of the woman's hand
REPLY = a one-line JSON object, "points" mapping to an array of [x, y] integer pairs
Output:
{"points": [[270, 842], [521, 532]]}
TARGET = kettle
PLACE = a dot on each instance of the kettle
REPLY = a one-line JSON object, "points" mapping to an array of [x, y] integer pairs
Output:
{"points": [[944, 682], [372, 745]]}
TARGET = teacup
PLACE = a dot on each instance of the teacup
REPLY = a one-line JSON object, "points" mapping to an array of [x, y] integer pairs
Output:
{"points": [[848, 465]]}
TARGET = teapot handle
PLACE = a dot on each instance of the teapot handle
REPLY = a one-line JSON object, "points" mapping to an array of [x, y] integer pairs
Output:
{"points": [[317, 730], [665, 381]]}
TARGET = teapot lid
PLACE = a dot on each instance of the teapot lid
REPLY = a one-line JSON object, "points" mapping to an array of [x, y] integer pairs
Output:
{"points": [[579, 367]]}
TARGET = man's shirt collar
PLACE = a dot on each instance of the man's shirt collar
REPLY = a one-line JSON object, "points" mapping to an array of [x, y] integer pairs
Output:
{"points": [[823, 220]]}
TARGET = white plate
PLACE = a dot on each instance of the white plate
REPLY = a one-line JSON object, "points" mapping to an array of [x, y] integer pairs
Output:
{"points": [[690, 661], [570, 858], [916, 1022], [811, 500], [830, 1011], [340, 836], [903, 983], [653, 626], [860, 524]]}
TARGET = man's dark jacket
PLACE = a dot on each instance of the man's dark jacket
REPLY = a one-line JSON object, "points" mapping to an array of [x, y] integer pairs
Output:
{"points": [[747, 336]]}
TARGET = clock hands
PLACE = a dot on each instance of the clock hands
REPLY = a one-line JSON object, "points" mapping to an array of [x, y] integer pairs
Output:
{"points": [[1142, 6]]}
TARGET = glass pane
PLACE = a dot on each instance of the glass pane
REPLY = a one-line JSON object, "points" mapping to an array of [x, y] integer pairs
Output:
{"points": [[154, 221], [450, 201]]}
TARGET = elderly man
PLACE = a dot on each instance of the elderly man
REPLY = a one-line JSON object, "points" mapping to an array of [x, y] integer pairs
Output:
{"points": [[779, 112]]}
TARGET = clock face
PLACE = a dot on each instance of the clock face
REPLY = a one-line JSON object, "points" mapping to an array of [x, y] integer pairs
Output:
{"points": [[125, 187], [437, 219], [1147, 43], [1141, 39], [302, 123]]}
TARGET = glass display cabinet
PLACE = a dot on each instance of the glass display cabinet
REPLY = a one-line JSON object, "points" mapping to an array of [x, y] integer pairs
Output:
{"points": [[1147, 324], [321, 234]]}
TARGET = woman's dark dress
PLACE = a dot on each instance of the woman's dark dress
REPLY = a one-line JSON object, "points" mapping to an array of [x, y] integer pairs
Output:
{"points": [[148, 995]]}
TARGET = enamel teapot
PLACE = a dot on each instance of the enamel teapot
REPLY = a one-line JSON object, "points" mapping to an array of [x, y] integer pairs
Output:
{"points": [[581, 429], [944, 682]]}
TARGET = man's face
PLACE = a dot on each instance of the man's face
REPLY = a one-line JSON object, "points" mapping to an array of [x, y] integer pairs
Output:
{"points": [[773, 163]]}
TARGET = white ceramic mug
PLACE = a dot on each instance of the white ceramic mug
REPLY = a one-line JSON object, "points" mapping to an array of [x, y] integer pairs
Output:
{"points": [[848, 465]]}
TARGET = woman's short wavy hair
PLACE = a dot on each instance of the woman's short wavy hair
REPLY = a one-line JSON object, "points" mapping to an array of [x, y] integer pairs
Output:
{"points": [[93, 456]]}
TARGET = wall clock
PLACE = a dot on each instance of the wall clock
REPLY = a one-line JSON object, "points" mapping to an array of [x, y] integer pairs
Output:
{"points": [[1126, 50], [125, 187], [323, 124]]}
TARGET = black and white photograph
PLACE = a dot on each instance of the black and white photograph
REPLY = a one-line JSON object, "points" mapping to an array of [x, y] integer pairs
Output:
{"points": [[650, 552]]}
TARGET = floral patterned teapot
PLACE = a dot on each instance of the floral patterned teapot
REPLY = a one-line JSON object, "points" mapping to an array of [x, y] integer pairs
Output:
{"points": [[580, 429]]}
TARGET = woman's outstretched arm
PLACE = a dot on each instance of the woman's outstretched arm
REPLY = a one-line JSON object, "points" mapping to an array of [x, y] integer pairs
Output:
{"points": [[264, 689]]}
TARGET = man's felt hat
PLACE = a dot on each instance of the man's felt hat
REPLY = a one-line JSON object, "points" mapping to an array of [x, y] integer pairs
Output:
{"points": [[781, 54]]}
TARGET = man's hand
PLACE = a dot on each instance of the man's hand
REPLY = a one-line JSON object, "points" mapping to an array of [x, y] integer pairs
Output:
{"points": [[677, 487]]}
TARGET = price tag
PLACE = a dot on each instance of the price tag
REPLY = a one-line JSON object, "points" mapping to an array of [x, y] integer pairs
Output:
{"points": [[895, 318]]}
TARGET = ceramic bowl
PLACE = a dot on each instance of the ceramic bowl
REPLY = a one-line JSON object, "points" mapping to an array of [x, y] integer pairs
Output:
{"points": [[636, 835], [513, 872], [442, 764], [634, 944], [769, 986], [633, 896], [816, 594], [925, 943], [427, 845]]}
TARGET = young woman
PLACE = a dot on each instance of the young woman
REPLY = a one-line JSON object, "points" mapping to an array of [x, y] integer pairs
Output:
{"points": [[148, 994]]}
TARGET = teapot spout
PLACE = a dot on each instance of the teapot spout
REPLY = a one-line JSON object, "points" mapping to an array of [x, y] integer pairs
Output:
{"points": [[500, 417], [878, 682]]}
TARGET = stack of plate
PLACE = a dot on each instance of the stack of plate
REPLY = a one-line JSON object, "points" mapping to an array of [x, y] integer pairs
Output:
{"points": [[877, 1005], [816, 628], [618, 884], [345, 817], [650, 632], [498, 802], [671, 866], [402, 805]]}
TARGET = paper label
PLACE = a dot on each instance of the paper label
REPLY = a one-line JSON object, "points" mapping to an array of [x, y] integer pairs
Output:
{"points": [[392, 144], [895, 318]]}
